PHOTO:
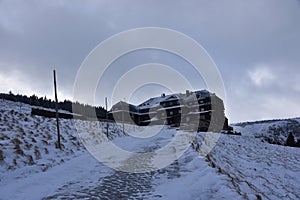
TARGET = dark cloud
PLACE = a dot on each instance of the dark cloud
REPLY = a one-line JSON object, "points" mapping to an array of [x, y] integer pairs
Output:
{"points": [[37, 36]]}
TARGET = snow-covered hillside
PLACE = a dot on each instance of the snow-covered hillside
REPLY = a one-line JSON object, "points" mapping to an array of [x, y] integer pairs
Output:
{"points": [[258, 169], [239, 167], [272, 131], [28, 142], [32, 168]]}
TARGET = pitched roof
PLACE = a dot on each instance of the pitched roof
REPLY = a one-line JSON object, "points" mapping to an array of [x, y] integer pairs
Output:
{"points": [[155, 101], [152, 102]]}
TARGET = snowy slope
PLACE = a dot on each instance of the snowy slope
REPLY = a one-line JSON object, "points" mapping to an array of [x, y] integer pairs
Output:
{"points": [[32, 168], [257, 168], [239, 167], [273, 131], [28, 142]]}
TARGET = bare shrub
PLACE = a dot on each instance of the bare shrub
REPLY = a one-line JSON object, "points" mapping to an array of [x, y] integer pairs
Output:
{"points": [[15, 162], [45, 142], [4, 137], [73, 138], [1, 156], [28, 146], [45, 167], [18, 150], [30, 160], [37, 153], [16, 141]]}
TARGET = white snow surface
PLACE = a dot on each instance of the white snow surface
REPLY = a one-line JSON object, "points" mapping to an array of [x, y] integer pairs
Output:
{"points": [[257, 168], [239, 167], [272, 131]]}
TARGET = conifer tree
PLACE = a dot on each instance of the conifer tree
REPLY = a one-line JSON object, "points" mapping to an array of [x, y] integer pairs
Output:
{"points": [[290, 141]]}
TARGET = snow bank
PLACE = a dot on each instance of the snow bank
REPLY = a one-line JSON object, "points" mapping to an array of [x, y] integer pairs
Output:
{"points": [[258, 169]]}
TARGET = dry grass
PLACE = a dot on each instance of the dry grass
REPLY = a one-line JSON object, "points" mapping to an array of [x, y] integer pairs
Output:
{"points": [[37, 153], [45, 142], [1, 156], [18, 150], [28, 145], [46, 151], [33, 140], [30, 160]]}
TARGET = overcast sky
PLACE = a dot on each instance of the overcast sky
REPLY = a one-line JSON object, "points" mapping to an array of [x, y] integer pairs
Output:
{"points": [[255, 45]]}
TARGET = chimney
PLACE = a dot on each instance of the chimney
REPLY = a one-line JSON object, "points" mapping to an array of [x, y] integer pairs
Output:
{"points": [[187, 92]]}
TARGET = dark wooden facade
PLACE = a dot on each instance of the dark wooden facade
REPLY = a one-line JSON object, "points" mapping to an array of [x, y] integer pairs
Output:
{"points": [[199, 110]]}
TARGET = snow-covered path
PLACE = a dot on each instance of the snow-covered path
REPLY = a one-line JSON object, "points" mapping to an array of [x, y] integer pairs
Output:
{"points": [[82, 170], [83, 177], [167, 183]]}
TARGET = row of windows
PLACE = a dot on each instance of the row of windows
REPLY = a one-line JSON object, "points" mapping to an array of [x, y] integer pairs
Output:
{"points": [[179, 112], [171, 103], [171, 113]]}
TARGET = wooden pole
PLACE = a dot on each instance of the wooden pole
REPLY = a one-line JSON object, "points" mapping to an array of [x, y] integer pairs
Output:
{"points": [[56, 110], [123, 116], [106, 117]]}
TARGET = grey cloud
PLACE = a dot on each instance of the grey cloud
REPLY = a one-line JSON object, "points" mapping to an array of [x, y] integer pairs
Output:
{"points": [[37, 36]]}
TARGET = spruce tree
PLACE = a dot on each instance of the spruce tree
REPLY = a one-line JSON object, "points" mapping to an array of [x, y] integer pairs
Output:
{"points": [[290, 141], [297, 143]]}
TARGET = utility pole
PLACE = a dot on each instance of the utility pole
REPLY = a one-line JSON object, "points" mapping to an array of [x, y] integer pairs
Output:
{"points": [[123, 110], [106, 117], [56, 110]]}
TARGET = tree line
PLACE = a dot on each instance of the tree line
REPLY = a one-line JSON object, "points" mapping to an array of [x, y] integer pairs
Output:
{"points": [[290, 141], [83, 109]]}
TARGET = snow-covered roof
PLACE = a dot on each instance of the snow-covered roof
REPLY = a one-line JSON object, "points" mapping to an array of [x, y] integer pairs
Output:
{"points": [[124, 105], [155, 101], [203, 93]]}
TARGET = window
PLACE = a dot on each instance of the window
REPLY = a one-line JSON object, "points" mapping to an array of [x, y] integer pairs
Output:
{"points": [[171, 112], [162, 114], [187, 119]]}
